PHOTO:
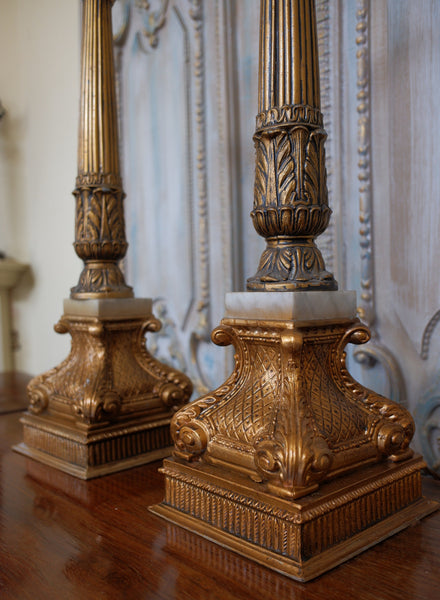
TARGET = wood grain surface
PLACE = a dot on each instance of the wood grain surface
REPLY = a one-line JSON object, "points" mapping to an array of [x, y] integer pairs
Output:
{"points": [[13, 396], [63, 538]]}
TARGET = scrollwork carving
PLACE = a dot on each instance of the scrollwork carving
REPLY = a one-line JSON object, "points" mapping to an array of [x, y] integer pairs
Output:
{"points": [[155, 19], [291, 454], [108, 368], [38, 395], [395, 428], [291, 408], [191, 435], [97, 406], [375, 352]]}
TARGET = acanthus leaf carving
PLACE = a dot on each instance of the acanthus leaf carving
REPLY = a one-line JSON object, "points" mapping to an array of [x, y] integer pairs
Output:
{"points": [[315, 185]]}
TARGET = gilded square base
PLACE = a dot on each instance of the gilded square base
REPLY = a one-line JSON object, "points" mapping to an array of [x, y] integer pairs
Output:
{"points": [[303, 538], [96, 452], [108, 406]]}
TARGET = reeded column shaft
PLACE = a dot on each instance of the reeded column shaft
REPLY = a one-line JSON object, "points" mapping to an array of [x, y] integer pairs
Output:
{"points": [[99, 229], [290, 196], [289, 72]]}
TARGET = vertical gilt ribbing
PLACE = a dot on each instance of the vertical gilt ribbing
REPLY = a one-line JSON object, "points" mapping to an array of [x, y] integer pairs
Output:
{"points": [[290, 194], [99, 224]]}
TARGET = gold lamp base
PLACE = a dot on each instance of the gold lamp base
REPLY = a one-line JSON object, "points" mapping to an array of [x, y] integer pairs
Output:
{"points": [[108, 406], [304, 538], [291, 462]]}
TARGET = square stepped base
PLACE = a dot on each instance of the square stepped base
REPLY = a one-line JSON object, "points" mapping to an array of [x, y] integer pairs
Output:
{"points": [[97, 452], [303, 538]]}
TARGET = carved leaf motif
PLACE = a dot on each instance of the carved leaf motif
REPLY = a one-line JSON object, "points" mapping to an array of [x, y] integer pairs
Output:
{"points": [[96, 278], [275, 264], [261, 174], [93, 225], [285, 170], [79, 216], [280, 180], [314, 167], [115, 215], [113, 277]]}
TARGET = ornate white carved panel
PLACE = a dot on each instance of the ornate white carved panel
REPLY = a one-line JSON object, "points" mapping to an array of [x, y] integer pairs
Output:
{"points": [[177, 221], [391, 54]]}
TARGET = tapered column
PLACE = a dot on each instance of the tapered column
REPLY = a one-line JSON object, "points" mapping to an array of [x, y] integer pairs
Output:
{"points": [[99, 223], [108, 405], [290, 194]]}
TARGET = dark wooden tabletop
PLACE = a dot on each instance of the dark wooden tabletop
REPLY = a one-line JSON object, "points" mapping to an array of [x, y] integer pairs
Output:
{"points": [[63, 538]]}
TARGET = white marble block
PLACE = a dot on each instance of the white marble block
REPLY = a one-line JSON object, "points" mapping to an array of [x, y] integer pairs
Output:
{"points": [[303, 306], [111, 308]]}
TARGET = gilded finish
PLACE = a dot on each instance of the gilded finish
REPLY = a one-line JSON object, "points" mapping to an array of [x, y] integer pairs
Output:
{"points": [[109, 374], [291, 462], [108, 406], [290, 194], [291, 416], [300, 539], [99, 224]]}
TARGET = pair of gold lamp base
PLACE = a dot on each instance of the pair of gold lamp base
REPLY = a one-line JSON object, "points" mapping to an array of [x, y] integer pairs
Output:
{"points": [[290, 462], [285, 463]]}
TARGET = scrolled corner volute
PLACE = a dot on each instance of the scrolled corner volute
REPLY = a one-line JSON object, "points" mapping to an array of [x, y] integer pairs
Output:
{"points": [[175, 391], [111, 404], [190, 436], [38, 395], [97, 406], [393, 428], [152, 325], [291, 471], [62, 326], [223, 336], [268, 456]]}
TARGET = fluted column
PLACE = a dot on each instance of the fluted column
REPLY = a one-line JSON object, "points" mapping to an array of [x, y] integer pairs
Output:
{"points": [[99, 228], [290, 195]]}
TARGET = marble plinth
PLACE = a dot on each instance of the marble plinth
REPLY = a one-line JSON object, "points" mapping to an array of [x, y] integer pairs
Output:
{"points": [[302, 306], [109, 308]]}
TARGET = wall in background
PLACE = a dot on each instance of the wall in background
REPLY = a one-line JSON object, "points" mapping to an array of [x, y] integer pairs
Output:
{"points": [[39, 88]]}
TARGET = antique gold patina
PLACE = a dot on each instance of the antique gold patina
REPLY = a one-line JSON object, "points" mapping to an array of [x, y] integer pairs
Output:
{"points": [[108, 406], [291, 462], [298, 417], [99, 219], [290, 195]]}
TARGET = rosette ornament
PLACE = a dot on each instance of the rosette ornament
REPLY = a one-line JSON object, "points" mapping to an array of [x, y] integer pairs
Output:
{"points": [[290, 194]]}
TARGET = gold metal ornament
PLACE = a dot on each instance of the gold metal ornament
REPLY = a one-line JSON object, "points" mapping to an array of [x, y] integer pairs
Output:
{"points": [[290, 193], [108, 406], [99, 219], [297, 418], [291, 462]]}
